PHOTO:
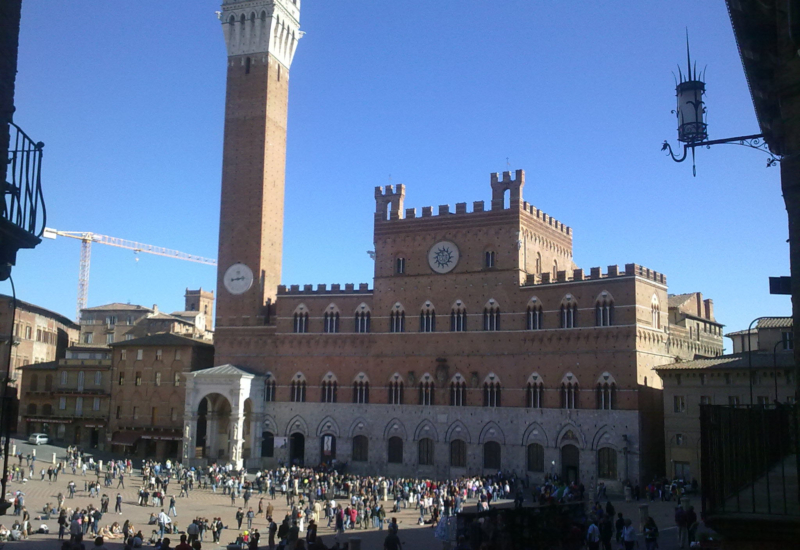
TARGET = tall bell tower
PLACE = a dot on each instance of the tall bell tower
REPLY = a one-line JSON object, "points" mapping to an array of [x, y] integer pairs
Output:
{"points": [[261, 37]]}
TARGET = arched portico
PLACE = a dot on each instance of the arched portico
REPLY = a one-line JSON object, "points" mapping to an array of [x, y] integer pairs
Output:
{"points": [[221, 405]]}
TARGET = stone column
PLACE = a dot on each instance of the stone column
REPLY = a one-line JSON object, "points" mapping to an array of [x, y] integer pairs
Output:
{"points": [[237, 431], [189, 435], [256, 427], [212, 420]]}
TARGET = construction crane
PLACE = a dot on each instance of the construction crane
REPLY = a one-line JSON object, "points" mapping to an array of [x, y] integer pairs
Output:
{"points": [[88, 238]]}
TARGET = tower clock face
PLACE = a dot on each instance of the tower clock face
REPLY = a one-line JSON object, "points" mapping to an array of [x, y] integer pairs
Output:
{"points": [[238, 279], [443, 257]]}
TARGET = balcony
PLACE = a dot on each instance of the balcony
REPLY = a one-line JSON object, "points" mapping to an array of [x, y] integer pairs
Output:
{"points": [[23, 210], [749, 461]]}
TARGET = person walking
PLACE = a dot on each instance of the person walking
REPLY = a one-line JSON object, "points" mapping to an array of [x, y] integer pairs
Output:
{"points": [[239, 518], [250, 515], [163, 522], [628, 535], [118, 505], [121, 481], [593, 535], [172, 506], [650, 534]]}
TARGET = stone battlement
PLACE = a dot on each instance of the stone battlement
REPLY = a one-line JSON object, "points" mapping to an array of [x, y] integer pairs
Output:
{"points": [[322, 289], [392, 197], [596, 273]]}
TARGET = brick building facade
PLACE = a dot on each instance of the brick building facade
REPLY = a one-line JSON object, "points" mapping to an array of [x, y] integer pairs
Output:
{"points": [[480, 345]]}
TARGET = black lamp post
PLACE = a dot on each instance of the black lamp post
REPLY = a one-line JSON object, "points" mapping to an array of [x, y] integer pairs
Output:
{"points": [[691, 114]]}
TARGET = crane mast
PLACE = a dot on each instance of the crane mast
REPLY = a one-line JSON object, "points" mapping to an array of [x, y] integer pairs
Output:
{"points": [[87, 238]]}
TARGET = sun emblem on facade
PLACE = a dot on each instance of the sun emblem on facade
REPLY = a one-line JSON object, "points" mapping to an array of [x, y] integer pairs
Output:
{"points": [[443, 257]]}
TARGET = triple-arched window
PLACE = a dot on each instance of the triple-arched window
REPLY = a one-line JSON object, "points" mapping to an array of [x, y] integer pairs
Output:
{"points": [[427, 390], [570, 392], [458, 391], [569, 312], [604, 310], [458, 317], [397, 319], [606, 392], [491, 391], [395, 390], [655, 312], [361, 389], [427, 318], [269, 388], [362, 321], [534, 390], [533, 318], [329, 389], [297, 389], [491, 316], [300, 321], [331, 321]]}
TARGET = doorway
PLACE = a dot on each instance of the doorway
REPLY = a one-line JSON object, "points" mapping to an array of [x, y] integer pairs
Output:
{"points": [[95, 438], [570, 463], [297, 448]]}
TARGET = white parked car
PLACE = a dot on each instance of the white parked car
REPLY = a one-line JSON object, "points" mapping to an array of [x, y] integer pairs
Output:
{"points": [[38, 439]]}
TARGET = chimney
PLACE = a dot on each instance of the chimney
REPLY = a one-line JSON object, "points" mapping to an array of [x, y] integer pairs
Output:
{"points": [[155, 308], [699, 297], [709, 309]]}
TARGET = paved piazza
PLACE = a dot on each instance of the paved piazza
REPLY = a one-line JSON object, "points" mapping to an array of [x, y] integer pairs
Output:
{"points": [[208, 504]]}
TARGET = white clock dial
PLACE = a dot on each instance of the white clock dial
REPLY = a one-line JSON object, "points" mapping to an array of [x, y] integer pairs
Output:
{"points": [[238, 279], [443, 257]]}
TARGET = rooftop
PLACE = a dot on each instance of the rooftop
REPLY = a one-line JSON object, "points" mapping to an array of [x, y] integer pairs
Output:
{"points": [[761, 359], [772, 322], [33, 308], [162, 339], [116, 306]]}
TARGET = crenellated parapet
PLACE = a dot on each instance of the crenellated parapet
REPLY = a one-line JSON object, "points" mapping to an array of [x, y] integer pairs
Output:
{"points": [[391, 198], [254, 27], [595, 273], [322, 289]]}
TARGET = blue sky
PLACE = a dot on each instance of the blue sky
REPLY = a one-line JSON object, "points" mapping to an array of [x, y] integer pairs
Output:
{"points": [[129, 96]]}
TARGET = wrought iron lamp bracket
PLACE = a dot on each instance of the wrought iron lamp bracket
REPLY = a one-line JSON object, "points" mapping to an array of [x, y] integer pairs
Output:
{"points": [[755, 141]]}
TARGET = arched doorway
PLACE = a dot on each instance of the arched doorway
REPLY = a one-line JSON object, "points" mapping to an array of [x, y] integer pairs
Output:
{"points": [[570, 463], [213, 424], [327, 449], [297, 448]]}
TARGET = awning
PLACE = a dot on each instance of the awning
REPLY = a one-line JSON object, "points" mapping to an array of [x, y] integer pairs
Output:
{"points": [[125, 438], [49, 420], [129, 438]]}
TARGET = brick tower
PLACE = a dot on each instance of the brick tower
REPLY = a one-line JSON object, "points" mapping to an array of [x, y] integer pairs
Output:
{"points": [[261, 37]]}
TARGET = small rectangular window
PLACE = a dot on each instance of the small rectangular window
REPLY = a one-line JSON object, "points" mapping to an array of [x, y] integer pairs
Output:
{"points": [[788, 340], [128, 337], [400, 266], [62, 403], [123, 355], [98, 378], [138, 379], [110, 338], [158, 379], [173, 414], [733, 400], [159, 355], [119, 411], [679, 404], [177, 381], [705, 400], [763, 400], [122, 379], [64, 377], [88, 337], [135, 413], [96, 404], [139, 354], [177, 355]]}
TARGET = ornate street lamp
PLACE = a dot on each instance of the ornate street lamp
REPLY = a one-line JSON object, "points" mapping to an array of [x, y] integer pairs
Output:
{"points": [[691, 114]]}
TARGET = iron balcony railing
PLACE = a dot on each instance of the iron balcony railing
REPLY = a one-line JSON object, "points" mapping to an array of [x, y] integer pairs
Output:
{"points": [[23, 201], [749, 460]]}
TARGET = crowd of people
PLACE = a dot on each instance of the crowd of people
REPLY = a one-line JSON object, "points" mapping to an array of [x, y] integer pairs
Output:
{"points": [[313, 497]]}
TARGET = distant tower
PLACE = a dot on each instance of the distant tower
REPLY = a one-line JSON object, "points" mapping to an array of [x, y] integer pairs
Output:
{"points": [[202, 301], [261, 37]]}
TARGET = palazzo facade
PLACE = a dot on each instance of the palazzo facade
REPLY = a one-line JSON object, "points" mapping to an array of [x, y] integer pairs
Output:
{"points": [[480, 345]]}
